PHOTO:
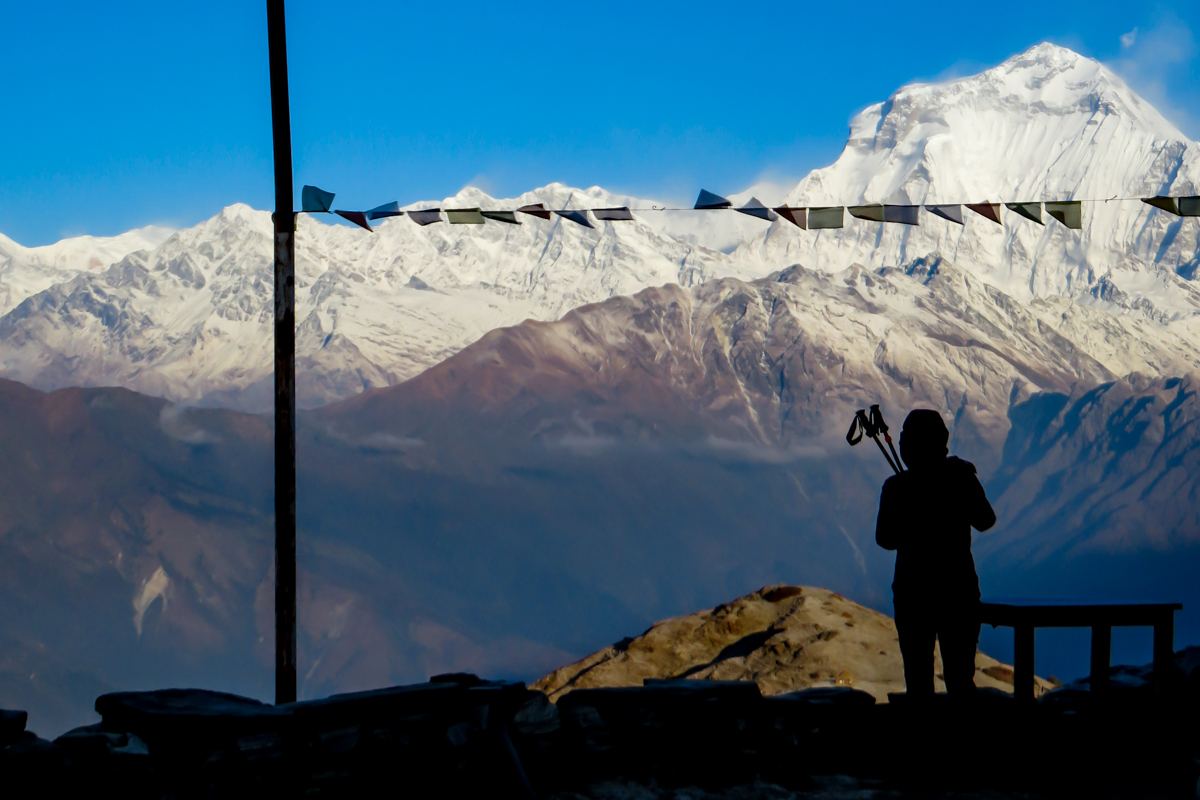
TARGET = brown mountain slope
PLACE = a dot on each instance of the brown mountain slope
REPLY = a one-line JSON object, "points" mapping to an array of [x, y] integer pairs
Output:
{"points": [[785, 638]]}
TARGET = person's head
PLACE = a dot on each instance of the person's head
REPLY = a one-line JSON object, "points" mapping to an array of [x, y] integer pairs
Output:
{"points": [[923, 438]]}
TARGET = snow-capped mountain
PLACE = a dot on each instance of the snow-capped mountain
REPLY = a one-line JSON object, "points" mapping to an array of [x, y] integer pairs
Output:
{"points": [[1048, 124], [28, 270], [190, 319]]}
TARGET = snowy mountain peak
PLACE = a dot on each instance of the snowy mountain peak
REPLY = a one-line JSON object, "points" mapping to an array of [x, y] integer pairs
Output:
{"points": [[1045, 124], [191, 319]]}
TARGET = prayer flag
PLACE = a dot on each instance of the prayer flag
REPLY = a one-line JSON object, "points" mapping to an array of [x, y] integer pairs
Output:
{"points": [[579, 217], [612, 213], [536, 210], [796, 216], [315, 201], [426, 216], [872, 213], [826, 217], [952, 213], [1030, 211], [385, 210], [1069, 213], [464, 216], [359, 218], [1167, 204], [988, 210], [707, 201], [1189, 206], [502, 216], [755, 208], [904, 215]]}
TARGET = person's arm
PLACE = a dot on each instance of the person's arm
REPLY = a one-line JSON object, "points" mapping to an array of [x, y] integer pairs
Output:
{"points": [[980, 511], [888, 524]]}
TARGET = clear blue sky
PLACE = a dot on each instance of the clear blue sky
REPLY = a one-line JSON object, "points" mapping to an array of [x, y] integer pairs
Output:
{"points": [[125, 114]]}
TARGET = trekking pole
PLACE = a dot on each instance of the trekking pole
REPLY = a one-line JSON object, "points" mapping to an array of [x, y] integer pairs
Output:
{"points": [[864, 425], [881, 427]]}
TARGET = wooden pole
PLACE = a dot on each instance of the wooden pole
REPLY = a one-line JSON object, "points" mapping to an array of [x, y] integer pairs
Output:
{"points": [[285, 364]]}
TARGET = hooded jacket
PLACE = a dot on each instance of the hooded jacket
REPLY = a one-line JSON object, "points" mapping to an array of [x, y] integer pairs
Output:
{"points": [[926, 515]]}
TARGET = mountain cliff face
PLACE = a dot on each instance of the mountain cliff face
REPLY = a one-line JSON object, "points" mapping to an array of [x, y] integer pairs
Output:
{"points": [[189, 320]]}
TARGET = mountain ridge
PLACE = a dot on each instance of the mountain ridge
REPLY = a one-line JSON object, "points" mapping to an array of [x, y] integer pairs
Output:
{"points": [[190, 320]]}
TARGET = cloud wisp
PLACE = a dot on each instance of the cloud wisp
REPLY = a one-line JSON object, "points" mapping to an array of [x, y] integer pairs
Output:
{"points": [[1148, 60]]}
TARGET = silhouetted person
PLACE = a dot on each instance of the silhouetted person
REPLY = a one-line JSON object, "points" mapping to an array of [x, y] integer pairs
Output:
{"points": [[926, 515]]}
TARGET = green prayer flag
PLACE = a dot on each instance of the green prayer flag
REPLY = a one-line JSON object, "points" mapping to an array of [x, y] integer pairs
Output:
{"points": [[825, 217], [871, 213], [1030, 211], [464, 216], [1069, 213], [1167, 204]]}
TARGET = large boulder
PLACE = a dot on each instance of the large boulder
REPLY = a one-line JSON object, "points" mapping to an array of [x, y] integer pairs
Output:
{"points": [[784, 638]]}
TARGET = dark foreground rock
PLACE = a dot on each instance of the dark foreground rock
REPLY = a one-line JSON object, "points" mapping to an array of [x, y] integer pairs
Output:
{"points": [[459, 736]]}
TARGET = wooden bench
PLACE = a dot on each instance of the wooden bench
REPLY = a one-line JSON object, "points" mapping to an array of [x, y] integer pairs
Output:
{"points": [[1023, 618]]}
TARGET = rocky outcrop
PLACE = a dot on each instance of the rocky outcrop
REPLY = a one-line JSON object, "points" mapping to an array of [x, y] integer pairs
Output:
{"points": [[783, 638]]}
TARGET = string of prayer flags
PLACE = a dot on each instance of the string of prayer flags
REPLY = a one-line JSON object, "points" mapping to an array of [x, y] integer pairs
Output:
{"points": [[987, 210], [359, 218], [315, 201], [825, 217], [1066, 212], [578, 217], [612, 214], [464, 216], [755, 208], [951, 213], [796, 216], [426, 216], [707, 201], [535, 210], [502, 216], [1069, 213], [1030, 211], [386, 210]]}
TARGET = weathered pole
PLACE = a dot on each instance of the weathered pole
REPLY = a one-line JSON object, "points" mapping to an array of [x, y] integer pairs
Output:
{"points": [[285, 364]]}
